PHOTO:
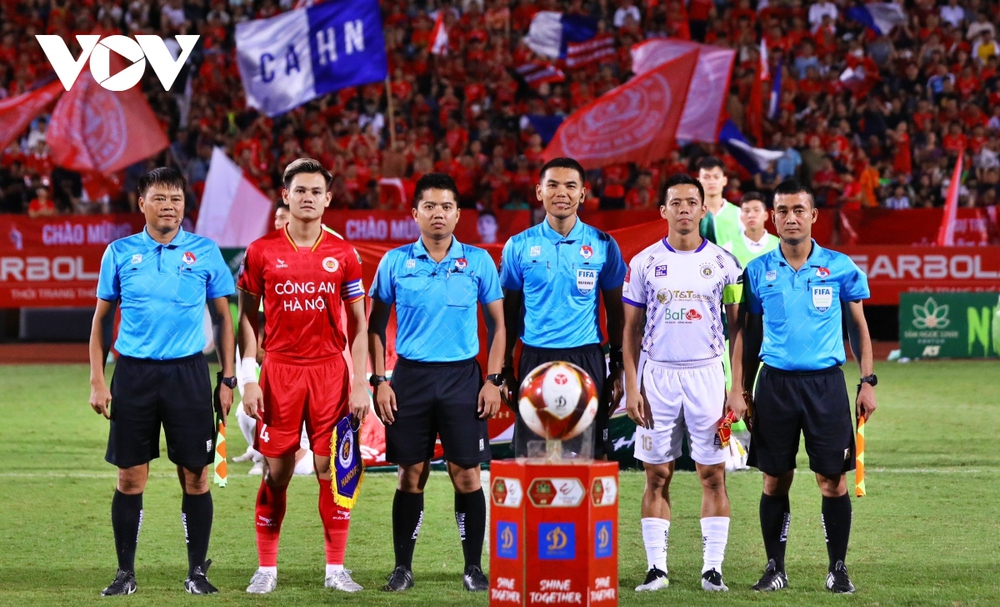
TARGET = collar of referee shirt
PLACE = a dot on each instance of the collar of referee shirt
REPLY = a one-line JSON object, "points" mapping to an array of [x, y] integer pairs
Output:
{"points": [[456, 250], [817, 256], [576, 233], [175, 242]]}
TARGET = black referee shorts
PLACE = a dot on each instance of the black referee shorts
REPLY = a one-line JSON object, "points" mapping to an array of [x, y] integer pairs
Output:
{"points": [[813, 403], [437, 399], [590, 359], [176, 393]]}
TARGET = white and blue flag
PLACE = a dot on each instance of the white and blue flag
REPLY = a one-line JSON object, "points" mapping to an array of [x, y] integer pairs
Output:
{"points": [[289, 59], [551, 33], [880, 17], [752, 159]]}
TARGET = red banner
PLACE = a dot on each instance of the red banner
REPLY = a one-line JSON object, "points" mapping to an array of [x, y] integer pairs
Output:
{"points": [[980, 226], [55, 262], [16, 113]]}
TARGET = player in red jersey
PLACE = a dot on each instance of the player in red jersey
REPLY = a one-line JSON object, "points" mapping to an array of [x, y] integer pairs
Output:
{"points": [[306, 277]]}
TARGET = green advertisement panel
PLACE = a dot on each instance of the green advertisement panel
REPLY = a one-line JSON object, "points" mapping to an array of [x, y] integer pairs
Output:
{"points": [[949, 325]]}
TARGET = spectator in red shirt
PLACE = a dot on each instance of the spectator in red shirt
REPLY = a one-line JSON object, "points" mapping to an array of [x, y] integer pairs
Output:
{"points": [[955, 141], [42, 205], [642, 196]]}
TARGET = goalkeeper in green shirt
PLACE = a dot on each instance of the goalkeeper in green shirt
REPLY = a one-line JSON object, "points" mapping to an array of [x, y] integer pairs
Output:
{"points": [[722, 224], [754, 240]]}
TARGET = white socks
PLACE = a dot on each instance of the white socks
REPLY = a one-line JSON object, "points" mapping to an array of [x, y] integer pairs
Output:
{"points": [[655, 532], [331, 568], [714, 536], [272, 570]]}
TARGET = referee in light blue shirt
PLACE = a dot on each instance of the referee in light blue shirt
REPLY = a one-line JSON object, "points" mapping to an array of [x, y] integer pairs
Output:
{"points": [[554, 276], [437, 285], [794, 300], [161, 279]]}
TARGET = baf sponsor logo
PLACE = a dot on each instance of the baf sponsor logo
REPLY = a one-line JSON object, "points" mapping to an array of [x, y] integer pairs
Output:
{"points": [[137, 52]]}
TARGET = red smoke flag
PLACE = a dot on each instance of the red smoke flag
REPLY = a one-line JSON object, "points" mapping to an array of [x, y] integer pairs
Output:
{"points": [[16, 113], [635, 122], [94, 129], [946, 233]]}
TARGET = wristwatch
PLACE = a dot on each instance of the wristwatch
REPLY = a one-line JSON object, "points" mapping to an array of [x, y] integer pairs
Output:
{"points": [[229, 382], [375, 380], [615, 358], [495, 378], [870, 379]]}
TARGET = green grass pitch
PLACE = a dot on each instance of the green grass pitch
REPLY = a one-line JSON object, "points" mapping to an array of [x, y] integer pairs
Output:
{"points": [[927, 534]]}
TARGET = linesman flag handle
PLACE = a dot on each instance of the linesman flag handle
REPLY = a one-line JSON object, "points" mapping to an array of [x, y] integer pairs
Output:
{"points": [[859, 471]]}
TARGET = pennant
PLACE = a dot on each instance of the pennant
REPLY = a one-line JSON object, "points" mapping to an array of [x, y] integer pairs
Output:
{"points": [[348, 467], [635, 122]]}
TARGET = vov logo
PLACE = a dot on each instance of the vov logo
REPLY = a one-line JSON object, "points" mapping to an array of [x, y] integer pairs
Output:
{"points": [[137, 52]]}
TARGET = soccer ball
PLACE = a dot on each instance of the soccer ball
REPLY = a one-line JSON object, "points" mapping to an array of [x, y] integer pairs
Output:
{"points": [[558, 400]]}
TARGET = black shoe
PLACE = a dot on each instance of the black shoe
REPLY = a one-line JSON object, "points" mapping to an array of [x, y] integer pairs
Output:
{"points": [[711, 581], [772, 579], [197, 582], [124, 584], [400, 580], [475, 580], [837, 581], [655, 580]]}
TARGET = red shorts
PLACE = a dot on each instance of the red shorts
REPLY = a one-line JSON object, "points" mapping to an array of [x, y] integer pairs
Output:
{"points": [[297, 391]]}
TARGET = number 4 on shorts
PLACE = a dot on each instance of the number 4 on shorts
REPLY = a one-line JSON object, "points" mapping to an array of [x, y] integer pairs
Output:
{"points": [[263, 433]]}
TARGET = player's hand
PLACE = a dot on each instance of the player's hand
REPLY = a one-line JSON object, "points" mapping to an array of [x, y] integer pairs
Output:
{"points": [[736, 404], [385, 403], [638, 411], [866, 401], [614, 389], [100, 398], [509, 387], [489, 400], [253, 400], [223, 400], [360, 404]]}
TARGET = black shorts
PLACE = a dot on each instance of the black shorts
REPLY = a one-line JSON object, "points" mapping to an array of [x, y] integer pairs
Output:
{"points": [[176, 393], [590, 359], [815, 404], [437, 399]]}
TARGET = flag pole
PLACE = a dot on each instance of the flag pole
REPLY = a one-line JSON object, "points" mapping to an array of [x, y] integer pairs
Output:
{"points": [[390, 111]]}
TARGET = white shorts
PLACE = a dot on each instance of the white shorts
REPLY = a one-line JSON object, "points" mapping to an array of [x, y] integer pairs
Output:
{"points": [[682, 400]]}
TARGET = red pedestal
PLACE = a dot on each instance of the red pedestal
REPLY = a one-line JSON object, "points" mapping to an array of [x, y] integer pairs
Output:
{"points": [[554, 534]]}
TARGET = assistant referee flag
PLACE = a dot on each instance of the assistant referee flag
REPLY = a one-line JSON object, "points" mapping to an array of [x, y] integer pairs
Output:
{"points": [[297, 56]]}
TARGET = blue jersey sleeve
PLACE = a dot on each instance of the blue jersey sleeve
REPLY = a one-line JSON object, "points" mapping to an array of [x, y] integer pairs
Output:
{"points": [[109, 287], [382, 287], [854, 286], [750, 292], [511, 276], [613, 274], [220, 279], [489, 280]]}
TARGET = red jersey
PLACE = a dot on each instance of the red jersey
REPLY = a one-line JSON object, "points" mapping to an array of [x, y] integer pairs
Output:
{"points": [[303, 291]]}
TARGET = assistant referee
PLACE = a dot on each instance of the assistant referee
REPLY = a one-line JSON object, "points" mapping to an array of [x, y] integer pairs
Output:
{"points": [[161, 279], [794, 295]]}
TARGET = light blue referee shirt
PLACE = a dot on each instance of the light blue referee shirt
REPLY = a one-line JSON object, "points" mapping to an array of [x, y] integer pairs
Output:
{"points": [[561, 279], [436, 314], [802, 316], [163, 289]]}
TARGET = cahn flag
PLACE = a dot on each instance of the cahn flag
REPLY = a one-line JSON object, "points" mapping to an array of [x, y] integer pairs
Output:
{"points": [[93, 129], [16, 113], [709, 88], [551, 33], [286, 61], [233, 212], [536, 74], [880, 17], [635, 122]]}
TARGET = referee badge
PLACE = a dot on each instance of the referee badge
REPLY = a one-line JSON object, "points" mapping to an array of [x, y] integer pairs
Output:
{"points": [[586, 251], [822, 297]]}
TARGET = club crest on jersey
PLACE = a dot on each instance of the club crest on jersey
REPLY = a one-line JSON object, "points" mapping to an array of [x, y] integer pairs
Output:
{"points": [[189, 257], [586, 251], [822, 272], [707, 271], [770, 275], [535, 251], [660, 271], [330, 264], [461, 263], [664, 296]]}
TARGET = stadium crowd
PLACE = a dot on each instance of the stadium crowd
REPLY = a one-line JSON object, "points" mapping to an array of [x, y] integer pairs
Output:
{"points": [[887, 133]]}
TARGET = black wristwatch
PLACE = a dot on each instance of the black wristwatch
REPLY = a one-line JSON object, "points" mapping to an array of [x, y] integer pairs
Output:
{"points": [[616, 359], [375, 380], [229, 382], [870, 379], [495, 378]]}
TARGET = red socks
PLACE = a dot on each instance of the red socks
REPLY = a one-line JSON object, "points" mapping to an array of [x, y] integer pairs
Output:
{"points": [[270, 511], [336, 521]]}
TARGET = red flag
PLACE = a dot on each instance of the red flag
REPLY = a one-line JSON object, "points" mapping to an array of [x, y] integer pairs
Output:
{"points": [[94, 129], [946, 233], [635, 122], [16, 113]]}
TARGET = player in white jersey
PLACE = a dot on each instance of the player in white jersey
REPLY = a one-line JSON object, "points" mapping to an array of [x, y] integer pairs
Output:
{"points": [[674, 344]]}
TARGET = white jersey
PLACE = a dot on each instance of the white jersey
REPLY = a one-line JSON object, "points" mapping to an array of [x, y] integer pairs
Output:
{"points": [[683, 293]]}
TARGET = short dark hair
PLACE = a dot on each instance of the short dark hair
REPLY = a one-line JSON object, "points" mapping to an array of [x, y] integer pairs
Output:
{"points": [[280, 204], [680, 179], [168, 177], [752, 196], [790, 187], [711, 162], [564, 163], [433, 181], [305, 165]]}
